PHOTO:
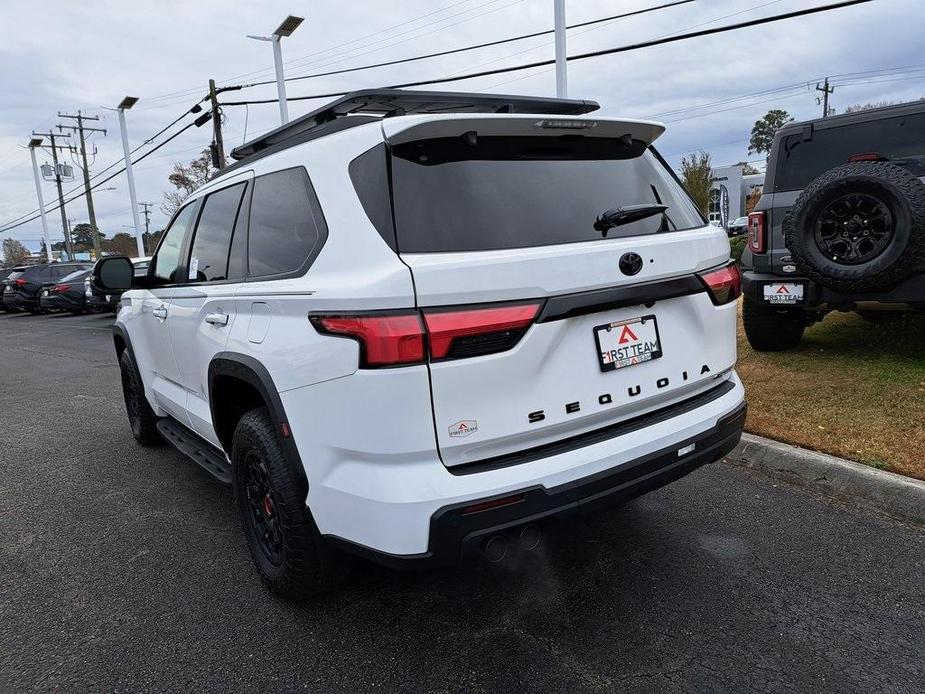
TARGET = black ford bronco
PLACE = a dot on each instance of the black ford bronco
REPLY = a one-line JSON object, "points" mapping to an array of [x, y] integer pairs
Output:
{"points": [[840, 225]]}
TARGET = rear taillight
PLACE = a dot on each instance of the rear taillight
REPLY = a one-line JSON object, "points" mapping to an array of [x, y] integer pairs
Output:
{"points": [[21, 282], [478, 331], [61, 288], [757, 235], [865, 156], [385, 339], [725, 283], [398, 339]]}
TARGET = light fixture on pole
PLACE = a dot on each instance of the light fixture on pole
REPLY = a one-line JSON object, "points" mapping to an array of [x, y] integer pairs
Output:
{"points": [[127, 103], [289, 25], [33, 143], [561, 57]]}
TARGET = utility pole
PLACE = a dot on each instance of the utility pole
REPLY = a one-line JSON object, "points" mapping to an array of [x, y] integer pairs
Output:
{"points": [[561, 56], [218, 145], [147, 214], [33, 143], [824, 99], [54, 156], [80, 129]]}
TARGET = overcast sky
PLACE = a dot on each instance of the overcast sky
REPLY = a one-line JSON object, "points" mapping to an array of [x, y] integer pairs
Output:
{"points": [[70, 56]]}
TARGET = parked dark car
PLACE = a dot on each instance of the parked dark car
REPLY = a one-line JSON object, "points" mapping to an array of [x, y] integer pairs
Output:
{"points": [[840, 225], [24, 284], [737, 227], [4, 273], [108, 300], [67, 294]]}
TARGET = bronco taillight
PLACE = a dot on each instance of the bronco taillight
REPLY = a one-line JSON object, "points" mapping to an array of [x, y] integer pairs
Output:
{"points": [[757, 235], [725, 283]]}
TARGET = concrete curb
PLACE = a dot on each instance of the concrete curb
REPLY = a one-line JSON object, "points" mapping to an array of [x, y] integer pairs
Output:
{"points": [[893, 495]]}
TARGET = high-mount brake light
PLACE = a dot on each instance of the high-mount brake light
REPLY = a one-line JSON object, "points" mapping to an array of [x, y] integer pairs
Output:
{"points": [[725, 283], [477, 331], [385, 339], [757, 232], [565, 124]]}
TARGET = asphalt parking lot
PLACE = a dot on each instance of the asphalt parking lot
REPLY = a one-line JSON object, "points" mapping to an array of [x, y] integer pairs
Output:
{"points": [[122, 569]]}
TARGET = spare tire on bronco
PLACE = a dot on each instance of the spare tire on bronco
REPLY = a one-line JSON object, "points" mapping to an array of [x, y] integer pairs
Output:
{"points": [[859, 227]]}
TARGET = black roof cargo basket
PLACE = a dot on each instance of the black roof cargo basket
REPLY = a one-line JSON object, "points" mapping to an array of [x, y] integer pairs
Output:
{"points": [[401, 102]]}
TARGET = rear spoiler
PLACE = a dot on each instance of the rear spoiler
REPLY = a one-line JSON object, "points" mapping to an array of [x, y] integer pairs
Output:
{"points": [[411, 128]]}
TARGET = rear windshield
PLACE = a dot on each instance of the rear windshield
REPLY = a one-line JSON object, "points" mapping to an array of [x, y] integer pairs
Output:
{"points": [[487, 193], [900, 140]]}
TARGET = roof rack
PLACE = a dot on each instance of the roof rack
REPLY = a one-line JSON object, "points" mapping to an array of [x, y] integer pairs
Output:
{"points": [[401, 102]]}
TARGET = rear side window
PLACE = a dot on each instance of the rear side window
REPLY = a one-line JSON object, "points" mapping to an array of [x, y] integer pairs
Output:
{"points": [[208, 260], [486, 193], [165, 263], [900, 140], [286, 228]]}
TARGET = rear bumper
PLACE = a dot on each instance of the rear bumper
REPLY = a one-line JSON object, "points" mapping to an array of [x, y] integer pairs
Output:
{"points": [[421, 509], [60, 302], [911, 291]]}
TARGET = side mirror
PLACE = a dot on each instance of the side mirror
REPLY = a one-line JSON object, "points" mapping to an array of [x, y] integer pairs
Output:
{"points": [[114, 273]]}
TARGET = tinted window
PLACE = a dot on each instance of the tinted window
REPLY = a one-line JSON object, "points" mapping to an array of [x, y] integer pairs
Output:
{"points": [[451, 194], [75, 276], [168, 253], [208, 260], [286, 226], [900, 140]]}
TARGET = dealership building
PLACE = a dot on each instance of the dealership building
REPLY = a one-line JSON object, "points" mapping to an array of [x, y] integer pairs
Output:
{"points": [[729, 190]]}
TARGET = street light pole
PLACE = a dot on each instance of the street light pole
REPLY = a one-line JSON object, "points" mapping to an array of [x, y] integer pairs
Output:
{"points": [[33, 143], [561, 57], [289, 25], [127, 103]]}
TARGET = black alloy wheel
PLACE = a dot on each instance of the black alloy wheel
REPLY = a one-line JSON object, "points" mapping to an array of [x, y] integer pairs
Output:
{"points": [[854, 229], [263, 519]]}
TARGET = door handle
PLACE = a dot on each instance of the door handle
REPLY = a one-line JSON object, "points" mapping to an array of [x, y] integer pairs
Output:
{"points": [[217, 318], [160, 312]]}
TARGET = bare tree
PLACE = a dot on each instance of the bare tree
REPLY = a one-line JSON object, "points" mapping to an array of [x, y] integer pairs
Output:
{"points": [[696, 173], [186, 179], [14, 253]]}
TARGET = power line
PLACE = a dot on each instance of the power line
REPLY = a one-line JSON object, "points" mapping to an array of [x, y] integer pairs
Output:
{"points": [[10, 226], [468, 48], [592, 54]]}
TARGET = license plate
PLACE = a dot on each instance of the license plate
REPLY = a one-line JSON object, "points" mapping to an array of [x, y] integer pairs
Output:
{"points": [[627, 343], [783, 293]]}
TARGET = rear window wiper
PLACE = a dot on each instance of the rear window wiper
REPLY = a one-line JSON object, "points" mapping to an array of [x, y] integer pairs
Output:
{"points": [[626, 215]]}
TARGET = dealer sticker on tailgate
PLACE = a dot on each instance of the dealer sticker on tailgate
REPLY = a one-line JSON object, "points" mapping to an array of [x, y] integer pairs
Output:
{"points": [[628, 342], [783, 293]]}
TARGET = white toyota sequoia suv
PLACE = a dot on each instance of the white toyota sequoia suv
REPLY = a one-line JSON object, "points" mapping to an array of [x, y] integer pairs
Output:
{"points": [[414, 326]]}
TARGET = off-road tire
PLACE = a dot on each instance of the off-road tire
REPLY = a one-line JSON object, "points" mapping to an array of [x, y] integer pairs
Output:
{"points": [[297, 563], [772, 328], [141, 418], [900, 192]]}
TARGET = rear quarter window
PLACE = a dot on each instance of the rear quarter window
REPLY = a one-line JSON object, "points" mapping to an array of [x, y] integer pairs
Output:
{"points": [[287, 228], [900, 140]]}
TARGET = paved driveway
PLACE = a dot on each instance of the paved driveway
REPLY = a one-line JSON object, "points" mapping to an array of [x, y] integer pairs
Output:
{"points": [[122, 569]]}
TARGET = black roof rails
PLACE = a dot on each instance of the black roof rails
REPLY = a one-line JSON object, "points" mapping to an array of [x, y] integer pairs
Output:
{"points": [[401, 102]]}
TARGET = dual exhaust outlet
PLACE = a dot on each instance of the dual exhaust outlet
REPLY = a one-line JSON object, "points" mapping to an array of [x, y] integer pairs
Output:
{"points": [[496, 547]]}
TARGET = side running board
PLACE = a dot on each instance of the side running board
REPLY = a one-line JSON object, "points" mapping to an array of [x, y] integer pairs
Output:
{"points": [[193, 445]]}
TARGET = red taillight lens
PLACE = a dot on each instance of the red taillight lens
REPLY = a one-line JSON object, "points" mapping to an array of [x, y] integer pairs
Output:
{"points": [[477, 331], [725, 284], [61, 288], [385, 340], [757, 238], [21, 282], [865, 156]]}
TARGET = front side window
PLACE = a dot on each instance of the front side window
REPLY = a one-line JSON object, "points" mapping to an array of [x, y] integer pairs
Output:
{"points": [[208, 260], [286, 227], [165, 263]]}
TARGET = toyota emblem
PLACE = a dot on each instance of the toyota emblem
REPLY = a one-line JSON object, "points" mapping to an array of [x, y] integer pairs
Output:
{"points": [[630, 264]]}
